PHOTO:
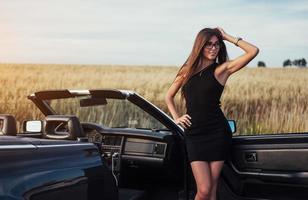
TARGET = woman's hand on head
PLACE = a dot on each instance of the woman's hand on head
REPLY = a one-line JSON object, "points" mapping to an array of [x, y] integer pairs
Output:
{"points": [[222, 32], [184, 121]]}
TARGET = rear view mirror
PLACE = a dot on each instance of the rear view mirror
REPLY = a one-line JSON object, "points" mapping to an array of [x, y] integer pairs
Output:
{"points": [[32, 126], [232, 125], [93, 102]]}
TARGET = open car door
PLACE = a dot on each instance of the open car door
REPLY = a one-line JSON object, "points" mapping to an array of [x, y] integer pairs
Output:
{"points": [[266, 167]]}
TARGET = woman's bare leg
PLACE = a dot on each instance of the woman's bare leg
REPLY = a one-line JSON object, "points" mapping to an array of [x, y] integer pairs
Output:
{"points": [[216, 167], [202, 174]]}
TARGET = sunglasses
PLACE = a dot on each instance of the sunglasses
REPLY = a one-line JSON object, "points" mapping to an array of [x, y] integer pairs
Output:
{"points": [[210, 45]]}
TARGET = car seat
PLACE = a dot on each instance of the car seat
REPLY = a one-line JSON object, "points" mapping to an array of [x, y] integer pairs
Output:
{"points": [[62, 127], [7, 125]]}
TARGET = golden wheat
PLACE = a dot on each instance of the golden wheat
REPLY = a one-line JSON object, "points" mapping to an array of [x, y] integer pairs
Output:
{"points": [[261, 100]]}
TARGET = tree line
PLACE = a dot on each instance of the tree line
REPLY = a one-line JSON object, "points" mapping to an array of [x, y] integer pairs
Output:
{"points": [[287, 63]]}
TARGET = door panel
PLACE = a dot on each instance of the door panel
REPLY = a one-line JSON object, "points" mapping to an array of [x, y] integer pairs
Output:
{"points": [[267, 167]]}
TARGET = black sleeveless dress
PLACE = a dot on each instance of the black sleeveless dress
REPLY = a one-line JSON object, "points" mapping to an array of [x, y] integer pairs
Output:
{"points": [[209, 137]]}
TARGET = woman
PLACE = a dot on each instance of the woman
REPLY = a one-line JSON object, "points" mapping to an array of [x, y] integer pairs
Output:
{"points": [[202, 79]]}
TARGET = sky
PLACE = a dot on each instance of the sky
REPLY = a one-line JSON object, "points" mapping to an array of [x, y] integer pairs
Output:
{"points": [[146, 32]]}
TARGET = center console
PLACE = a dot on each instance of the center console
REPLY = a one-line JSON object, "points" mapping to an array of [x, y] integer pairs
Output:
{"points": [[111, 152]]}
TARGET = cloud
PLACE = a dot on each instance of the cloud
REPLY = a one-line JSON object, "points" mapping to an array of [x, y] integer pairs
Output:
{"points": [[147, 32]]}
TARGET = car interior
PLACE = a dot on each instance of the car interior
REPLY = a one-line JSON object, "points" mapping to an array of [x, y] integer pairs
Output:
{"points": [[145, 165]]}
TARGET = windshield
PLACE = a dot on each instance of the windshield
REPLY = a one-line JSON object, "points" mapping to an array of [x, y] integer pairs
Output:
{"points": [[117, 113]]}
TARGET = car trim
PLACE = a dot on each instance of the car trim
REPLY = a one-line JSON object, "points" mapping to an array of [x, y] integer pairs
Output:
{"points": [[23, 146], [64, 145], [291, 177], [30, 146]]}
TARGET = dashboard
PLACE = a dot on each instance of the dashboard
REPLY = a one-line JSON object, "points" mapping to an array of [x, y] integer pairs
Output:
{"points": [[131, 146], [137, 154], [137, 157]]}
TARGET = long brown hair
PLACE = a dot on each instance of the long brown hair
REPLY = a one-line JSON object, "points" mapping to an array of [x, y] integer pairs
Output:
{"points": [[192, 63]]}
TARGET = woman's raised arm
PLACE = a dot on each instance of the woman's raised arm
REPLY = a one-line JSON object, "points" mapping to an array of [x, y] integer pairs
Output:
{"points": [[236, 64]]}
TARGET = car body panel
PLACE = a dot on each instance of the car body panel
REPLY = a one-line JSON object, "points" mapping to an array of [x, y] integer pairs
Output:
{"points": [[37, 165]]}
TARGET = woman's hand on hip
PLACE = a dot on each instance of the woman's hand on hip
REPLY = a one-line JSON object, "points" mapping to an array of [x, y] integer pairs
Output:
{"points": [[184, 121]]}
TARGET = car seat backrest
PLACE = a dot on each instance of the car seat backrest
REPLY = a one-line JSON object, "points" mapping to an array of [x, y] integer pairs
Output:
{"points": [[7, 125], [62, 127]]}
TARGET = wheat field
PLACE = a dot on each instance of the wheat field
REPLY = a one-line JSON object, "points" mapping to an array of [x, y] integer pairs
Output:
{"points": [[261, 100]]}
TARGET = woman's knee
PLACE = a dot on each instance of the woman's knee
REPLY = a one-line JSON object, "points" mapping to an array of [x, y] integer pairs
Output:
{"points": [[204, 192]]}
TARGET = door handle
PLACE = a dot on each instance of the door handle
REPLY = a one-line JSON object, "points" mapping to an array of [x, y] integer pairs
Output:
{"points": [[251, 156]]}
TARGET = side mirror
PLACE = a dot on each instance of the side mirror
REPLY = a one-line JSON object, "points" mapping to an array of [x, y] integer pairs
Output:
{"points": [[32, 126], [232, 125]]}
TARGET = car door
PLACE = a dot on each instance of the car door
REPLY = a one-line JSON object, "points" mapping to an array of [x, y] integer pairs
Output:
{"points": [[266, 167]]}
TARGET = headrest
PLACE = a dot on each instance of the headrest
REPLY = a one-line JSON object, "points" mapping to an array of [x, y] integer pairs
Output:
{"points": [[62, 127], [7, 125]]}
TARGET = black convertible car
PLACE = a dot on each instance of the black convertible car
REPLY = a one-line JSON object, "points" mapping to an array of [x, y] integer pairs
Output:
{"points": [[114, 144]]}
